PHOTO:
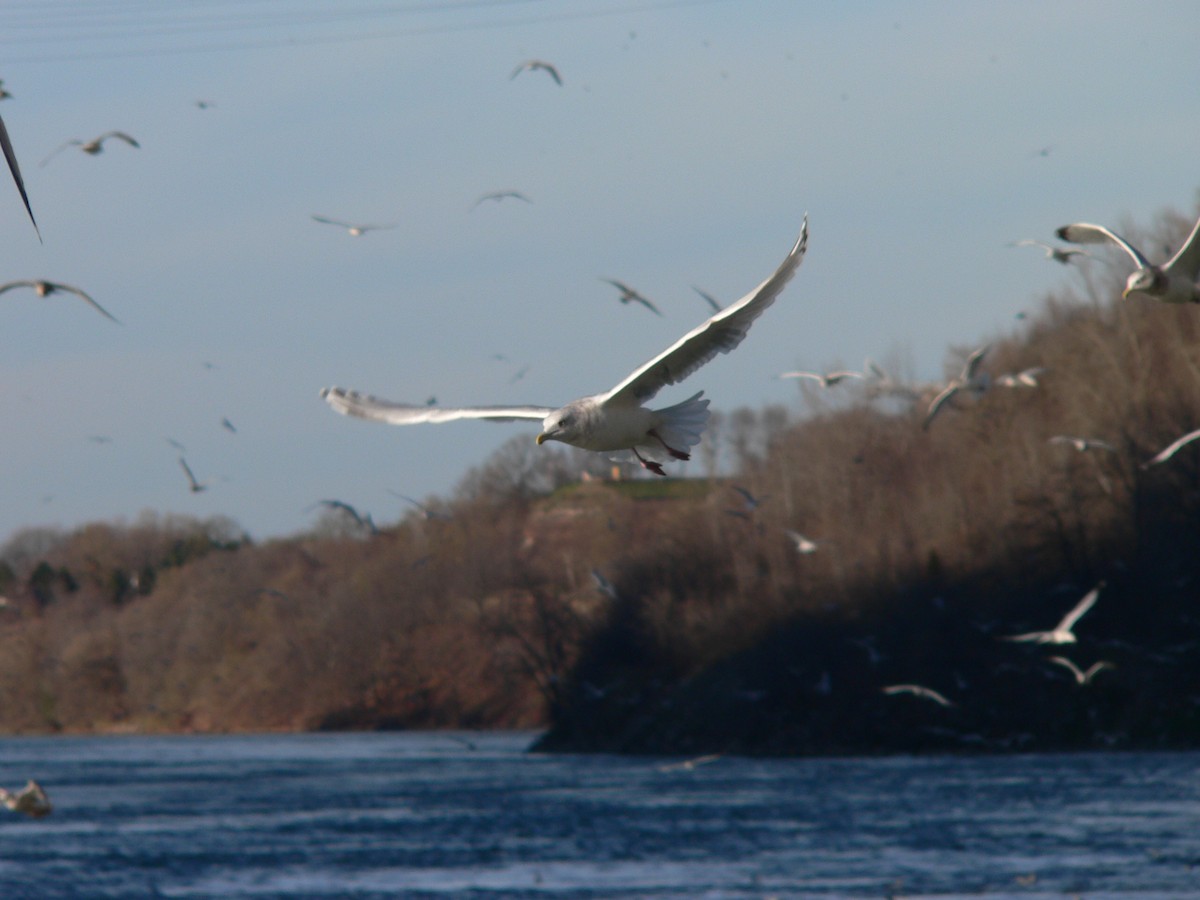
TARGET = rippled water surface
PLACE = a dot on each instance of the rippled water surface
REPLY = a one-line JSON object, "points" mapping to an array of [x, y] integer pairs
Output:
{"points": [[469, 815]]}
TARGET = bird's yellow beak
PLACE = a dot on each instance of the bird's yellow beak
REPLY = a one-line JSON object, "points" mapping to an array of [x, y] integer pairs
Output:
{"points": [[541, 438], [1125, 294]]}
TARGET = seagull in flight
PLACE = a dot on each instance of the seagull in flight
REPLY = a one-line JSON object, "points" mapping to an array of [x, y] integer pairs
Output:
{"points": [[629, 295], [193, 485], [1061, 633], [1058, 254], [825, 379], [803, 545], [1081, 677], [615, 421], [917, 690], [1024, 378], [501, 195], [352, 228], [1172, 448], [1083, 444], [1172, 282], [10, 157], [531, 65], [30, 800], [970, 379], [94, 146], [46, 288], [362, 521]]}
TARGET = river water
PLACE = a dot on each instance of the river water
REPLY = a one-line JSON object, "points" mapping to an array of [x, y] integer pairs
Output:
{"points": [[474, 815]]}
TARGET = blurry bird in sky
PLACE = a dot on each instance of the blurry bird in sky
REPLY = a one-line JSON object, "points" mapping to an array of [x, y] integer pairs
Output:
{"points": [[1062, 633], [629, 295], [501, 195], [353, 229], [92, 147], [1058, 254], [46, 288], [532, 65]]}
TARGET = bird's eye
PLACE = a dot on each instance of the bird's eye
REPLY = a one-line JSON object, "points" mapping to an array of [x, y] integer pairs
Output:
{"points": [[565, 422]]}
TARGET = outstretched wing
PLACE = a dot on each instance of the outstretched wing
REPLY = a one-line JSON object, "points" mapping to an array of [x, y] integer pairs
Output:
{"points": [[119, 135], [720, 334], [10, 157], [1088, 601], [1185, 262], [364, 406], [1083, 233], [87, 297], [327, 221], [1171, 449], [939, 401]]}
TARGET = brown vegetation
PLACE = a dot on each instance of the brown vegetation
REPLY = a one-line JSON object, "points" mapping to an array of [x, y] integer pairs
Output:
{"points": [[719, 635]]}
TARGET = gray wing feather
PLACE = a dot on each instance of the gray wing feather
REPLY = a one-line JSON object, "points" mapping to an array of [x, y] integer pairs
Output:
{"points": [[364, 406], [10, 157], [1083, 233], [1187, 260], [719, 334]]}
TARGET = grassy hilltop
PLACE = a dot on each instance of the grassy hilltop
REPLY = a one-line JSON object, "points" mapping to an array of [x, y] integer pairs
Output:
{"points": [[715, 634]]}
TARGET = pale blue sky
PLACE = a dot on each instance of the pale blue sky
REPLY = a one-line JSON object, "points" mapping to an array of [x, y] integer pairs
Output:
{"points": [[686, 144]]}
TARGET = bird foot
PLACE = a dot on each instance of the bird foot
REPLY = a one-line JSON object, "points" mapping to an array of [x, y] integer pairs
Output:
{"points": [[649, 464], [678, 454]]}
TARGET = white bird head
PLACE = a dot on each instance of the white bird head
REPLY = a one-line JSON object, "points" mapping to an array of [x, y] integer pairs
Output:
{"points": [[1145, 281], [564, 424]]}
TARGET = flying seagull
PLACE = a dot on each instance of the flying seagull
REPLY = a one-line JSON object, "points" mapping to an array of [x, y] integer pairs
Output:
{"points": [[1061, 633], [353, 229], [501, 195], [1172, 282], [1082, 444], [10, 157], [30, 800], [1058, 254], [46, 288], [193, 485], [1024, 378], [1081, 677], [362, 521], [531, 65], [92, 147], [629, 295], [970, 379], [917, 690], [1171, 449], [616, 421], [825, 379], [803, 545]]}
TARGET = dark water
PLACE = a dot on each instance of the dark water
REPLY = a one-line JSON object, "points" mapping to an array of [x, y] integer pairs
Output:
{"points": [[429, 815]]}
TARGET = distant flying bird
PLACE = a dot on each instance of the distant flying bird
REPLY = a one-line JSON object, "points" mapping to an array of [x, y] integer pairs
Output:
{"points": [[500, 195], [10, 157], [1082, 677], [31, 800], [1061, 633], [803, 545], [1172, 282], [531, 65], [1171, 449], [425, 512], [1058, 254], [616, 422], [92, 147], [362, 521], [46, 288], [749, 502], [712, 301], [970, 379], [4, 94], [353, 229], [193, 485], [604, 586], [688, 765], [228, 426], [1083, 444], [205, 104], [917, 690], [629, 295], [825, 379], [1024, 378]]}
